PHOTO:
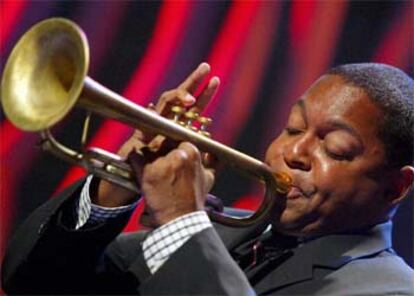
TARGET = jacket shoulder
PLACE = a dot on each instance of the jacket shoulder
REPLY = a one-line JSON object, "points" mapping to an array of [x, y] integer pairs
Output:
{"points": [[385, 274]]}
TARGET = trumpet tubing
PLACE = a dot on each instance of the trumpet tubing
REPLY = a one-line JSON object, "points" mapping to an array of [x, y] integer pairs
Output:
{"points": [[46, 76]]}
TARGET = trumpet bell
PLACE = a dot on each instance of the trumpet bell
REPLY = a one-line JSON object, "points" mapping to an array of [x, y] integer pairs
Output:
{"points": [[51, 58], [46, 76]]}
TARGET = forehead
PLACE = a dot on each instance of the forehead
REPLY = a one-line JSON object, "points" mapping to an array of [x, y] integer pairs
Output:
{"points": [[331, 98]]}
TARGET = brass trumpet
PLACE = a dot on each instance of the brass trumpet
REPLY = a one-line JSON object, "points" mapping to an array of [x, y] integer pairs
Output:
{"points": [[46, 76]]}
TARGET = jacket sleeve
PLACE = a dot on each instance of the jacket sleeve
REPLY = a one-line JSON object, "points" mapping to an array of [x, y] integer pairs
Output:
{"points": [[202, 266], [46, 256]]}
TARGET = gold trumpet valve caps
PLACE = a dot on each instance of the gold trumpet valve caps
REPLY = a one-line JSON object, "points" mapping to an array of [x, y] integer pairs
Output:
{"points": [[178, 112], [191, 115], [204, 121]]}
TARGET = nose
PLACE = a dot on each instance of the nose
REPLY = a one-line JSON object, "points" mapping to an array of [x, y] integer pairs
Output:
{"points": [[296, 154]]}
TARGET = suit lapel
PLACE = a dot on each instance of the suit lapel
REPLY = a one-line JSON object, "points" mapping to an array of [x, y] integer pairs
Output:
{"points": [[295, 269], [331, 252]]}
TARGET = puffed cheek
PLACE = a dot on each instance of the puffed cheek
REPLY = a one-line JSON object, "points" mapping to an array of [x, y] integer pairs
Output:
{"points": [[331, 177], [322, 175], [324, 169]]}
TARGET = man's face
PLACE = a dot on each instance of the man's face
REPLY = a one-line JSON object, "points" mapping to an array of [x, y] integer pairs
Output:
{"points": [[331, 148]]}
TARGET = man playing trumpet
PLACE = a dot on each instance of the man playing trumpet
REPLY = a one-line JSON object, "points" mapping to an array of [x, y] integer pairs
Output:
{"points": [[348, 145]]}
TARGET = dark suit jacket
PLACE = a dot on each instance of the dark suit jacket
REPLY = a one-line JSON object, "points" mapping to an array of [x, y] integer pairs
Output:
{"points": [[47, 257]]}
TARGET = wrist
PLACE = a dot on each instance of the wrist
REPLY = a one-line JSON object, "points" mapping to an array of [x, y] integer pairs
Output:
{"points": [[106, 194]]}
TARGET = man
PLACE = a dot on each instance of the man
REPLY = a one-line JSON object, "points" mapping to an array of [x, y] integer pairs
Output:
{"points": [[348, 145]]}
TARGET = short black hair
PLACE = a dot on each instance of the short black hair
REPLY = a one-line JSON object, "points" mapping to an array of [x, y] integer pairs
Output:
{"points": [[393, 91]]}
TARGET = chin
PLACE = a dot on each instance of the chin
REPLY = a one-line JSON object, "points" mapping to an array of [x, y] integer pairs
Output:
{"points": [[296, 224], [289, 225]]}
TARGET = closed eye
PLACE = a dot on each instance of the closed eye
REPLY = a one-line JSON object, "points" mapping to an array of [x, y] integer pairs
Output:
{"points": [[293, 131], [339, 156]]}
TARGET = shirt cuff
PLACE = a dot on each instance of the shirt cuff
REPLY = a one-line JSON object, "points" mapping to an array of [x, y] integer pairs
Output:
{"points": [[161, 243], [87, 213]]}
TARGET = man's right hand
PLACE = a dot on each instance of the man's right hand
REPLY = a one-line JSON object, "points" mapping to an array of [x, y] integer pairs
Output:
{"points": [[111, 195]]}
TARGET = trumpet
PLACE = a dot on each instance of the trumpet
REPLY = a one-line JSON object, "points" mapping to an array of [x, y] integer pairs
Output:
{"points": [[46, 76]]}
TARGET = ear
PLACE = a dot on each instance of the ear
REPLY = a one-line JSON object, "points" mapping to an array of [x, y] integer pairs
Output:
{"points": [[402, 181]]}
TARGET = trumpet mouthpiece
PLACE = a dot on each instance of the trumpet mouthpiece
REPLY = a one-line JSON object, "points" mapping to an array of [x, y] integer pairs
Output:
{"points": [[283, 181]]}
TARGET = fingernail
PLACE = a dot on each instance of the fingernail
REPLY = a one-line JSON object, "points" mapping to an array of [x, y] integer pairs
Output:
{"points": [[204, 68], [189, 99], [214, 81]]}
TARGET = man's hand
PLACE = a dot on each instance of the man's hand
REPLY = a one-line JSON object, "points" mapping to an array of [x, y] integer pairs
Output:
{"points": [[175, 184], [111, 195]]}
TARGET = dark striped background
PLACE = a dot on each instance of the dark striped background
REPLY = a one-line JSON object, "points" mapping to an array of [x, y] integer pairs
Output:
{"points": [[266, 54]]}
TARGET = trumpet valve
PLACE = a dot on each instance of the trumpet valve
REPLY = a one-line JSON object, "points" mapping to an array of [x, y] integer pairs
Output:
{"points": [[204, 123], [178, 112], [190, 116]]}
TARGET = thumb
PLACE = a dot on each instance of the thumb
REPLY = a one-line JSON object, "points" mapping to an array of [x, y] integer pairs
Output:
{"points": [[137, 161]]}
